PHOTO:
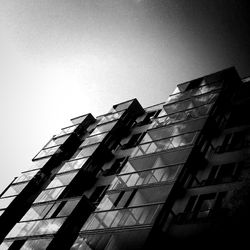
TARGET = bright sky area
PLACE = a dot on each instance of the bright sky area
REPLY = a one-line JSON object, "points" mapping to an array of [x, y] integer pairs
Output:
{"points": [[60, 59]]}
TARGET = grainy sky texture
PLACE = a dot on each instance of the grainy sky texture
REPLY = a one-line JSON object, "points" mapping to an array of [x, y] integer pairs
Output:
{"points": [[61, 58]]}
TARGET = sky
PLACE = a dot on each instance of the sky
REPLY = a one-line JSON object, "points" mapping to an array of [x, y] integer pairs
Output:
{"points": [[60, 59]]}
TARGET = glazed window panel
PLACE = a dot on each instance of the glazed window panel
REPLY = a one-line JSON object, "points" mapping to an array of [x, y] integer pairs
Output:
{"points": [[4, 202], [122, 106], [107, 202], [40, 244], [180, 106], [47, 152], [165, 144], [67, 130], [150, 195], [182, 116], [103, 128], [49, 194], [56, 141], [78, 120], [37, 212], [93, 139], [5, 245], [207, 88], [26, 176], [14, 189], [85, 152], [121, 218], [33, 228], [72, 165], [110, 117], [62, 179], [68, 207]]}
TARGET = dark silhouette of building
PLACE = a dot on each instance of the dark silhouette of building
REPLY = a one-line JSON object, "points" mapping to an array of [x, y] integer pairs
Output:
{"points": [[172, 175]]}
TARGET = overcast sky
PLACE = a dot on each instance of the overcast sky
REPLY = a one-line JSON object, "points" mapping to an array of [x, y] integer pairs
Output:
{"points": [[64, 58]]}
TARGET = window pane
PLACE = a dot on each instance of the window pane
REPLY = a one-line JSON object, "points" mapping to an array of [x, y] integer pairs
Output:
{"points": [[62, 179], [37, 212], [14, 189], [40, 244], [50, 194]]}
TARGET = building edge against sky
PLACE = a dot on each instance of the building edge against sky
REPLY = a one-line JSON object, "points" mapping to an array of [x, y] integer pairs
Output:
{"points": [[135, 178]]}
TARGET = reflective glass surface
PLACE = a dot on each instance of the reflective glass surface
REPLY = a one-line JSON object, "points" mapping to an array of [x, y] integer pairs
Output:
{"points": [[72, 165], [56, 141], [121, 106], [33, 228], [5, 245], [39, 244], [123, 217], [62, 179], [39, 163], [103, 128], [85, 152], [14, 189], [145, 177], [79, 119], [134, 197], [164, 144], [26, 176], [181, 116], [190, 103], [4, 202], [110, 117], [47, 152], [194, 92], [37, 212], [93, 139], [49, 194], [67, 130]]}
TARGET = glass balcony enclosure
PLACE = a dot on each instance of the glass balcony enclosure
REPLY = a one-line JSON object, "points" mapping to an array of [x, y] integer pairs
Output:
{"points": [[49, 194], [93, 139], [14, 189], [52, 209], [145, 177], [26, 176], [56, 141], [190, 103], [164, 144], [72, 165], [62, 179], [179, 96], [34, 228], [173, 130], [47, 152], [4, 202], [103, 128], [85, 151], [185, 115], [109, 117], [121, 106], [143, 215], [79, 119]]}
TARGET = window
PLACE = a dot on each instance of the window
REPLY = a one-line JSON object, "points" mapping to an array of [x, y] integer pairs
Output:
{"points": [[134, 140], [98, 194], [233, 141], [116, 167], [148, 117], [201, 207]]}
